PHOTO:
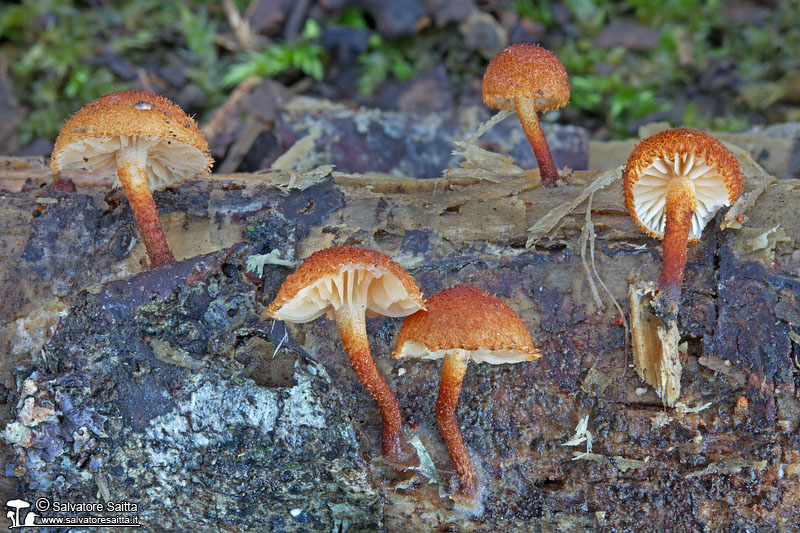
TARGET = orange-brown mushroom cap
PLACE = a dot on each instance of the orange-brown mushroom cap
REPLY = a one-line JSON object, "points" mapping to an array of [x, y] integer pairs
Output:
{"points": [[526, 70], [470, 319], [459, 324], [349, 284], [686, 154], [336, 276], [176, 148]]}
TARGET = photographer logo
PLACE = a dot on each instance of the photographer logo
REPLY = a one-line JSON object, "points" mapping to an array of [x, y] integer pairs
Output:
{"points": [[54, 513]]}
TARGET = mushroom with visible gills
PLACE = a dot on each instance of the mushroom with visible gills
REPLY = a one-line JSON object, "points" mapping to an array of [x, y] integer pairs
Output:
{"points": [[528, 78], [149, 143], [349, 284], [674, 183], [460, 324]]}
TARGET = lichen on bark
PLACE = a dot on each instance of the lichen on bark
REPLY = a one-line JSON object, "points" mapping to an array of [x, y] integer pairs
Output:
{"points": [[194, 446]]}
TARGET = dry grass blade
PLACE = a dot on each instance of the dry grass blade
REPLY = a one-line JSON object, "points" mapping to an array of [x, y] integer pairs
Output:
{"points": [[587, 237], [489, 124], [481, 163], [544, 225]]}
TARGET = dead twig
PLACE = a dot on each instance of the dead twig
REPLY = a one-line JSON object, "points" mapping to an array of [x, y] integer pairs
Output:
{"points": [[218, 120], [245, 37], [252, 129], [295, 20]]}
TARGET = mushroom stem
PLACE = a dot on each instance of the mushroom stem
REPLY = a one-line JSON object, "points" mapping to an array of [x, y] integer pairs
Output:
{"points": [[131, 165], [353, 330], [680, 208], [454, 366], [526, 109]]}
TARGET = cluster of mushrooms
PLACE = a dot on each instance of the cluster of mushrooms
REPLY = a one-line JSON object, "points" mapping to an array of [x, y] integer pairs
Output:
{"points": [[673, 184], [458, 324]]}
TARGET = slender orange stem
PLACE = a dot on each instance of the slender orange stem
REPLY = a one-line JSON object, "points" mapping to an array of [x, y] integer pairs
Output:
{"points": [[353, 330], [679, 211], [454, 366], [526, 109], [133, 176]]}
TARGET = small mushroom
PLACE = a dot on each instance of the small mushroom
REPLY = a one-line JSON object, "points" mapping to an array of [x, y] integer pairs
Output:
{"points": [[674, 183], [149, 143], [460, 324], [531, 79], [349, 284], [14, 515]]}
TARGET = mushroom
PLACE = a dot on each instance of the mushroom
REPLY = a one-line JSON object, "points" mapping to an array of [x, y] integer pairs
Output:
{"points": [[460, 324], [14, 515], [674, 183], [148, 141], [529, 78], [348, 284]]}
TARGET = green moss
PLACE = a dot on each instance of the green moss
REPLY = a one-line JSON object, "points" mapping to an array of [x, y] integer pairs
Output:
{"points": [[384, 60], [55, 48], [64, 53], [618, 87], [306, 55]]}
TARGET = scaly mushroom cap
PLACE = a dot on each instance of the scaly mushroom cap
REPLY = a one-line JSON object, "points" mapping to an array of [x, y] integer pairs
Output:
{"points": [[525, 70], [683, 154], [176, 148], [346, 276], [466, 318]]}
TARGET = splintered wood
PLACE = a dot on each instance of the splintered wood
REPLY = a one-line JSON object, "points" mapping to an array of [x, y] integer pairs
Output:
{"points": [[655, 344]]}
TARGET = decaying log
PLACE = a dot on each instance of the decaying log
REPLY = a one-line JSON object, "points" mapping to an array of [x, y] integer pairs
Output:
{"points": [[166, 388]]}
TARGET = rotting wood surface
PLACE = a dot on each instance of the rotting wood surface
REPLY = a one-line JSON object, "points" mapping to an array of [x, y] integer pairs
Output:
{"points": [[727, 457]]}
